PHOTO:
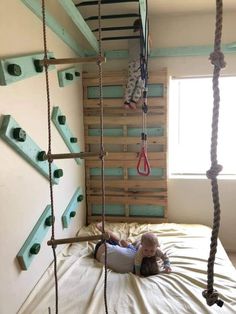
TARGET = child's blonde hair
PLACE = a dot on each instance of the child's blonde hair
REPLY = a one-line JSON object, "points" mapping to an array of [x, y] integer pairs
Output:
{"points": [[149, 239]]}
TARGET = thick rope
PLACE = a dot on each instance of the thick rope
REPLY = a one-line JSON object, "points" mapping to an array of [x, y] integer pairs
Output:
{"points": [[49, 154], [102, 147], [217, 59]]}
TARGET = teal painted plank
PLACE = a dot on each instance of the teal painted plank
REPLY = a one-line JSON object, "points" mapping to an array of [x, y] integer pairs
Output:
{"points": [[130, 132], [72, 207], [155, 90], [115, 91], [188, 51], [65, 132], [110, 209], [157, 172], [116, 54], [68, 76], [78, 20], [27, 253], [107, 171], [184, 51], [25, 68], [150, 131], [146, 210], [35, 7], [28, 149], [106, 132]]}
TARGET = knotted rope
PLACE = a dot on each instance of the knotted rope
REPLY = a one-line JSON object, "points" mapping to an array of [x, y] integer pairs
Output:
{"points": [[217, 59]]}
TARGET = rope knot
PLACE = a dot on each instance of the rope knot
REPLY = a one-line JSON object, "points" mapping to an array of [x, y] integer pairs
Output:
{"points": [[212, 298], [217, 59], [213, 172]]}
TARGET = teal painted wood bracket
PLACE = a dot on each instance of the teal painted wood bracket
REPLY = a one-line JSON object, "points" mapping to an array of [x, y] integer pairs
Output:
{"points": [[68, 76], [70, 140], [19, 68], [35, 7], [78, 20], [72, 207], [16, 137], [32, 245]]}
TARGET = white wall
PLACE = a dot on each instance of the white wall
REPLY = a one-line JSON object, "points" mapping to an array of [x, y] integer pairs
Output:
{"points": [[24, 192]]}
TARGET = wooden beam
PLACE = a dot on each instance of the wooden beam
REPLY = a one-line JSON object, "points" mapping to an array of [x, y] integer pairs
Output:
{"points": [[143, 220], [133, 155], [79, 21], [129, 184], [124, 163], [72, 60], [104, 236], [132, 200], [126, 140]]}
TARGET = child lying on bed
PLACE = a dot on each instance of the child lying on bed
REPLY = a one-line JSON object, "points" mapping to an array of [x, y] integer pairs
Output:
{"points": [[140, 258]]}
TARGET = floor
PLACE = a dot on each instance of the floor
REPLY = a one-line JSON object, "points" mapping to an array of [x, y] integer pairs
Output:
{"points": [[232, 257]]}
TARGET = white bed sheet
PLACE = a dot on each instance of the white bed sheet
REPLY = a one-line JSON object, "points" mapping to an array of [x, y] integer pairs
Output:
{"points": [[81, 278]]}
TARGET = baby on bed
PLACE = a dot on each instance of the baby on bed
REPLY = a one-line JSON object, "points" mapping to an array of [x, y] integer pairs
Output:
{"points": [[139, 258]]}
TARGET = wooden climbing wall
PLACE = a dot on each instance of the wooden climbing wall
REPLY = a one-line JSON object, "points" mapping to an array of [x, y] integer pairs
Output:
{"points": [[129, 197]]}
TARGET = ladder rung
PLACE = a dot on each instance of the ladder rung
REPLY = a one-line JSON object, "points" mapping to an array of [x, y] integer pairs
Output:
{"points": [[104, 236], [114, 28], [87, 3], [120, 37], [72, 60], [81, 155], [112, 16]]}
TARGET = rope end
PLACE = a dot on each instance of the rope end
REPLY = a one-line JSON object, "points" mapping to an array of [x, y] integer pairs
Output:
{"points": [[212, 298]]}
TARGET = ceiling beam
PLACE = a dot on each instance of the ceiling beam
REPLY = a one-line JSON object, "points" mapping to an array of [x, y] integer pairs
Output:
{"points": [[79, 21]]}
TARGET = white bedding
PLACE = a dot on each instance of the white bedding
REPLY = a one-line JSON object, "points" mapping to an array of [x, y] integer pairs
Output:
{"points": [[81, 277]]}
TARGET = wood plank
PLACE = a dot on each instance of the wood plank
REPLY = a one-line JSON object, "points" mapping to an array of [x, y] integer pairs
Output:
{"points": [[124, 163], [119, 102], [129, 184], [122, 111], [141, 220], [132, 200], [133, 155], [110, 192], [152, 120], [126, 140]]}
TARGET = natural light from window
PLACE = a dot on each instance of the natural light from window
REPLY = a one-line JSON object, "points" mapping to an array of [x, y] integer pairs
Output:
{"points": [[190, 118]]}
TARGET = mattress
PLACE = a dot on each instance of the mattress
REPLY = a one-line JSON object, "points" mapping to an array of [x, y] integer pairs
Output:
{"points": [[81, 278]]}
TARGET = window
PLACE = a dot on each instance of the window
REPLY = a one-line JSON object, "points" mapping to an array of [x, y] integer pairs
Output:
{"points": [[191, 104]]}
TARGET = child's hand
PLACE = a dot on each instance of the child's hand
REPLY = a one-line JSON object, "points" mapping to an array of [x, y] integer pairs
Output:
{"points": [[167, 269]]}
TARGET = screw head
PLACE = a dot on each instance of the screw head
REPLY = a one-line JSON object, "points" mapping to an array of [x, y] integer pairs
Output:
{"points": [[73, 140], [80, 198], [72, 214], [14, 69], [58, 173], [35, 248], [77, 74], [42, 156], [49, 221], [19, 134], [38, 67], [62, 119], [69, 76]]}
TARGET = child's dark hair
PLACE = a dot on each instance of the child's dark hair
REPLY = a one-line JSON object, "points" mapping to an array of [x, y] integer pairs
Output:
{"points": [[149, 266], [137, 25]]}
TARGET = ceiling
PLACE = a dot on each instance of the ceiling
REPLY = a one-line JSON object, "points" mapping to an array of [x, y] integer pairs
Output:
{"points": [[170, 7]]}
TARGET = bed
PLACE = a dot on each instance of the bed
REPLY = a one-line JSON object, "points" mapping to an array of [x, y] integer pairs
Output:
{"points": [[80, 277]]}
